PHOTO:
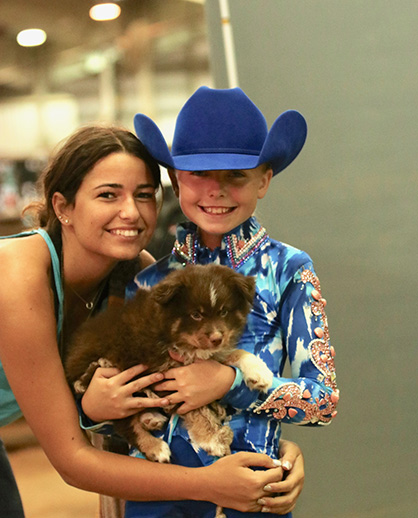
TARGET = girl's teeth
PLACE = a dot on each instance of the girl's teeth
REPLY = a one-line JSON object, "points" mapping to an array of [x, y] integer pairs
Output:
{"points": [[217, 210]]}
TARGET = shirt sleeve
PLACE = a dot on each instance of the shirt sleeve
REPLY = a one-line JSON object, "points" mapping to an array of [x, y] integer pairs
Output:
{"points": [[104, 428], [310, 396]]}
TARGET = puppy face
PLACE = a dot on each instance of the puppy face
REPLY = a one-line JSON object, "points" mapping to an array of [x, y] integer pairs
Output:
{"points": [[206, 307]]}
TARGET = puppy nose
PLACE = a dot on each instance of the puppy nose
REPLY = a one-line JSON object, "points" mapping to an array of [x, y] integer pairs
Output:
{"points": [[215, 338]]}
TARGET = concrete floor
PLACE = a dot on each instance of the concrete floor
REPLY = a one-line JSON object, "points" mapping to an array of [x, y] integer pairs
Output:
{"points": [[44, 493]]}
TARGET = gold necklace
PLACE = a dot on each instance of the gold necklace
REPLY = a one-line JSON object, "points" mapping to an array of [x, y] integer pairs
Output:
{"points": [[89, 305]]}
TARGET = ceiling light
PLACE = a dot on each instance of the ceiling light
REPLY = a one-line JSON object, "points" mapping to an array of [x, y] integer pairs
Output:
{"points": [[31, 37], [104, 12]]}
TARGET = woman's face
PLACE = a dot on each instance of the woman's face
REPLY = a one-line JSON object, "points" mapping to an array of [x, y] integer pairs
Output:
{"points": [[114, 213]]}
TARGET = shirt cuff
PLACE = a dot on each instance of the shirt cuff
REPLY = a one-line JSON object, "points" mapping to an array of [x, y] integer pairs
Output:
{"points": [[239, 395], [105, 427]]}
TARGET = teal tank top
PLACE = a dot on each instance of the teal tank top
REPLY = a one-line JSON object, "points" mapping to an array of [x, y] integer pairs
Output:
{"points": [[9, 409]]}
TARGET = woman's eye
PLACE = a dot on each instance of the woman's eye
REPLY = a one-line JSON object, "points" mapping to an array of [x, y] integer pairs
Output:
{"points": [[146, 195], [196, 315], [107, 195]]}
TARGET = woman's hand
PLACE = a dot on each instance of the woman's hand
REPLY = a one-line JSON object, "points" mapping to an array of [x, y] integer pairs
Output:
{"points": [[110, 393], [232, 483], [197, 384], [291, 486]]}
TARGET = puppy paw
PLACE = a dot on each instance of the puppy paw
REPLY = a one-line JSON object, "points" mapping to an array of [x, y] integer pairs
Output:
{"points": [[219, 443], [219, 512], [104, 362], [79, 387], [216, 449], [152, 420], [258, 376], [160, 452]]}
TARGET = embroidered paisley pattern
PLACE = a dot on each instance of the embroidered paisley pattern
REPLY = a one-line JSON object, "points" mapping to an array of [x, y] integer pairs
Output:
{"points": [[285, 401]]}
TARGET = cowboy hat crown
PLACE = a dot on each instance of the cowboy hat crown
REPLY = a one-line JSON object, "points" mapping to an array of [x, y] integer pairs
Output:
{"points": [[222, 129]]}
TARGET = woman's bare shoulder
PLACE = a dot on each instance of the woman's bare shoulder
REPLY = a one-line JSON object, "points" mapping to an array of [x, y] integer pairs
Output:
{"points": [[146, 259], [25, 259]]}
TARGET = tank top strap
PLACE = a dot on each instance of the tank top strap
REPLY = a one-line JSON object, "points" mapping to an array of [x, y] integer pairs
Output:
{"points": [[56, 269]]}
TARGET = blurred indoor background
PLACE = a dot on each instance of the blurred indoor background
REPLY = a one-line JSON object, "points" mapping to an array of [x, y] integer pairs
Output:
{"points": [[349, 200]]}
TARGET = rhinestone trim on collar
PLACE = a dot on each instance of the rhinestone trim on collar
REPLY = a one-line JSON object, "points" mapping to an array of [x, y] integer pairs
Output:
{"points": [[186, 251], [238, 250]]}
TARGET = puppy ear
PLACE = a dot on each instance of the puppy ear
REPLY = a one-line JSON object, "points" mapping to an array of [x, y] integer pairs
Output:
{"points": [[246, 287], [166, 290]]}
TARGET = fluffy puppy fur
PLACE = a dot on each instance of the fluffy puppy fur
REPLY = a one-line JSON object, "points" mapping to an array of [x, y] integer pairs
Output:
{"points": [[198, 312]]}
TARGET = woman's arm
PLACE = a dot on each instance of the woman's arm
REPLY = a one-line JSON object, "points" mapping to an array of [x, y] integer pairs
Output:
{"points": [[33, 367]]}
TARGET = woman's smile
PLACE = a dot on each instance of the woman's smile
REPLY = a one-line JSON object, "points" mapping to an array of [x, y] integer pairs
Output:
{"points": [[133, 232], [117, 200]]}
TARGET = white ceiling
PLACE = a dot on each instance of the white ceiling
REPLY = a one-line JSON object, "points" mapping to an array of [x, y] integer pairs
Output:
{"points": [[174, 31]]}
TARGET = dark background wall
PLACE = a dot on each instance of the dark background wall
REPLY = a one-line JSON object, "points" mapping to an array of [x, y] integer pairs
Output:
{"points": [[350, 201]]}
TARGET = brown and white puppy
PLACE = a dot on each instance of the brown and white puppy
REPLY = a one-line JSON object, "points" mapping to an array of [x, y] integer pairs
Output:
{"points": [[198, 312]]}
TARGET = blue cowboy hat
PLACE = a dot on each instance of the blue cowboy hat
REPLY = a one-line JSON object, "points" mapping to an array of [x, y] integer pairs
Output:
{"points": [[222, 130]]}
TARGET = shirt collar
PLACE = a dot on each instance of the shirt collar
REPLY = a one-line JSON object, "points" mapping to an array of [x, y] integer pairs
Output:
{"points": [[237, 245]]}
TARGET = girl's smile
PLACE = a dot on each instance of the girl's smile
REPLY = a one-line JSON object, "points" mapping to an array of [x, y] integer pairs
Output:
{"points": [[217, 210], [219, 201]]}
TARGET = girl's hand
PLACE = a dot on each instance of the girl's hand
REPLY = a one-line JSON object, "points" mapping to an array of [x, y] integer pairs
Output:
{"points": [[197, 384], [289, 489], [110, 393]]}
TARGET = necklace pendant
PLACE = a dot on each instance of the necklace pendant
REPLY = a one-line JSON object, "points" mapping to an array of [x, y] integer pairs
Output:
{"points": [[89, 305]]}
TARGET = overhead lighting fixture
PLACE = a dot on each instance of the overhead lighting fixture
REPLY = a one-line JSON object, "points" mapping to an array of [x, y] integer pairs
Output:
{"points": [[31, 37], [104, 12]]}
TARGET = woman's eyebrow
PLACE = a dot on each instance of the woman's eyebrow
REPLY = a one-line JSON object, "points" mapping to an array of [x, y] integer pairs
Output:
{"points": [[120, 186], [112, 185]]}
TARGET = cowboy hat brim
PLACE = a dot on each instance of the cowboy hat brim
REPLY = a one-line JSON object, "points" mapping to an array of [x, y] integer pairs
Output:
{"points": [[152, 138], [283, 143]]}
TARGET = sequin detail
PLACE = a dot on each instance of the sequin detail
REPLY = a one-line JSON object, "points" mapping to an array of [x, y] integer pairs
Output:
{"points": [[186, 251], [239, 250], [285, 400]]}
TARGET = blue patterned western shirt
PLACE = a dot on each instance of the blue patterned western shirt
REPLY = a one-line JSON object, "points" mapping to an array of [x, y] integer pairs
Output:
{"points": [[285, 323]]}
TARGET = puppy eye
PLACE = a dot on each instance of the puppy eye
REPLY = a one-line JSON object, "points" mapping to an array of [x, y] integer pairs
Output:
{"points": [[196, 315], [223, 312]]}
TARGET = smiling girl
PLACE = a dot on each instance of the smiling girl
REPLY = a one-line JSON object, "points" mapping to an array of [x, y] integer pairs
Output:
{"points": [[221, 163]]}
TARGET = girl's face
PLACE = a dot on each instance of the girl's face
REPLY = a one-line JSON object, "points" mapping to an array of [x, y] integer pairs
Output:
{"points": [[114, 213], [219, 201]]}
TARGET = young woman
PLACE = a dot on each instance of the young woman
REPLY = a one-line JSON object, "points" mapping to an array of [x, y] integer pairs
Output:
{"points": [[99, 212]]}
